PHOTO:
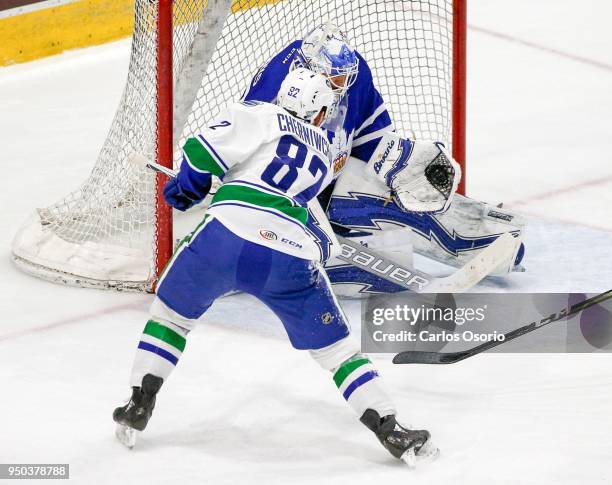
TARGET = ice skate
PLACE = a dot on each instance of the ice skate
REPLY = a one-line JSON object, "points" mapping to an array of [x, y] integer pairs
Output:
{"points": [[133, 417], [411, 446]]}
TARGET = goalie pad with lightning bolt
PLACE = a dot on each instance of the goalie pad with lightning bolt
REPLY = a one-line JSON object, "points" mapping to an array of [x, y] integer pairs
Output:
{"points": [[361, 206]]}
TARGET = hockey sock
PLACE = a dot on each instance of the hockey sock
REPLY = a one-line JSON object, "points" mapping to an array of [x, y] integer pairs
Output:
{"points": [[361, 386], [159, 350]]}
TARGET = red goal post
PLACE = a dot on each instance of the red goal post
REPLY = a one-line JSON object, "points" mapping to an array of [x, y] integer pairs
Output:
{"points": [[165, 142], [459, 86]]}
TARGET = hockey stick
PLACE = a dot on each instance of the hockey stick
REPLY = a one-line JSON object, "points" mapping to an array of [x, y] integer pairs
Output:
{"points": [[412, 279], [421, 357], [140, 161]]}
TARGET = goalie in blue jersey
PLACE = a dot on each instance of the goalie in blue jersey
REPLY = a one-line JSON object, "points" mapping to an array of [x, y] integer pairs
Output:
{"points": [[273, 159], [388, 188], [359, 117]]}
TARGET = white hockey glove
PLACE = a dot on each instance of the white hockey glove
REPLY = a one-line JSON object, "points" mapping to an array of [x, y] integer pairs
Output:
{"points": [[422, 175]]}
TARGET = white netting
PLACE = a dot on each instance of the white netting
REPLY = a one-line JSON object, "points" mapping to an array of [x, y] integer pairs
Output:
{"points": [[407, 44], [104, 232]]}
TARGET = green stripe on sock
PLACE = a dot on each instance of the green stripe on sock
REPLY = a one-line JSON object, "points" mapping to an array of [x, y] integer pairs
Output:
{"points": [[262, 199], [345, 369], [165, 334], [200, 157]]}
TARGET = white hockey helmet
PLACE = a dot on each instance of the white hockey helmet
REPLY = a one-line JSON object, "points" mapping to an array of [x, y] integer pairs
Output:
{"points": [[327, 50], [305, 93]]}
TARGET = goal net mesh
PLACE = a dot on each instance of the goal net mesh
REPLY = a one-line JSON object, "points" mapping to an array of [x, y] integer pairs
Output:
{"points": [[103, 233]]}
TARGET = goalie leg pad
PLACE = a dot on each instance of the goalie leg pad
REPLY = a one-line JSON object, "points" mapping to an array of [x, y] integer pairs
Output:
{"points": [[352, 282], [361, 204]]}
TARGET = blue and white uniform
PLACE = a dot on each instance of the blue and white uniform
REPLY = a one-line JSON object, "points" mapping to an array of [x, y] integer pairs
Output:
{"points": [[255, 237], [358, 122]]}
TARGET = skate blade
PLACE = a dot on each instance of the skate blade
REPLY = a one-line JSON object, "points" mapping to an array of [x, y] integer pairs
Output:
{"points": [[127, 436], [426, 454]]}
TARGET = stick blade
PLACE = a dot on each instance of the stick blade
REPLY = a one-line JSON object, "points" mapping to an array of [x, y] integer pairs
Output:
{"points": [[422, 357], [477, 268], [137, 159]]}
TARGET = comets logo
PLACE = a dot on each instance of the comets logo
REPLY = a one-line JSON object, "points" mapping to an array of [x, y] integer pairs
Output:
{"points": [[340, 162], [269, 235]]}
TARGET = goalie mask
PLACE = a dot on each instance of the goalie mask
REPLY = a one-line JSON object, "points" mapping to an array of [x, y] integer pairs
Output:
{"points": [[326, 50], [304, 94]]}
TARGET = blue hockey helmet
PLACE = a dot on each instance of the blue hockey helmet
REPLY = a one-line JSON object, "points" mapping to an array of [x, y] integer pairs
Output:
{"points": [[326, 50]]}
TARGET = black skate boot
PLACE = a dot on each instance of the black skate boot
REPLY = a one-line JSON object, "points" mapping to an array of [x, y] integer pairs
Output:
{"points": [[134, 416], [409, 445]]}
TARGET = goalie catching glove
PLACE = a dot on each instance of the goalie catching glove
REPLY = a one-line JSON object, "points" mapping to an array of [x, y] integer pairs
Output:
{"points": [[422, 175]]}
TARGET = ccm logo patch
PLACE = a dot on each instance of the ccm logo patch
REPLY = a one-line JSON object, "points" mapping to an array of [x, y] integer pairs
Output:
{"points": [[291, 243], [269, 235]]}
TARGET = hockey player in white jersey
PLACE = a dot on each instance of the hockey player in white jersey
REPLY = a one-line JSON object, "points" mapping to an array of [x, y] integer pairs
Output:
{"points": [[274, 160]]}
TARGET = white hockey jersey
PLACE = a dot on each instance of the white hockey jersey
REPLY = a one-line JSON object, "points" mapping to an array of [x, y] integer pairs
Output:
{"points": [[272, 165]]}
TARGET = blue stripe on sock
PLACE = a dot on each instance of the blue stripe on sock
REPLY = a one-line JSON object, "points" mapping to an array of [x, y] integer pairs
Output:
{"points": [[360, 381], [159, 351]]}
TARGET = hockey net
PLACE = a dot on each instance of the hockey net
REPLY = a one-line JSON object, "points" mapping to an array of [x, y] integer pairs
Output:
{"points": [[107, 232]]}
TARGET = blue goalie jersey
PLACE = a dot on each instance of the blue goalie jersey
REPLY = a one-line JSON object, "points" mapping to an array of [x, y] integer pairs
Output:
{"points": [[357, 123]]}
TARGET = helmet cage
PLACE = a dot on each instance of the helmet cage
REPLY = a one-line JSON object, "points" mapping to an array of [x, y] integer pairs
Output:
{"points": [[326, 50]]}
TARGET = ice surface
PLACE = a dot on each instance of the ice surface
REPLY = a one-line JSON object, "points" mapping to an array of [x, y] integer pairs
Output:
{"points": [[243, 406]]}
